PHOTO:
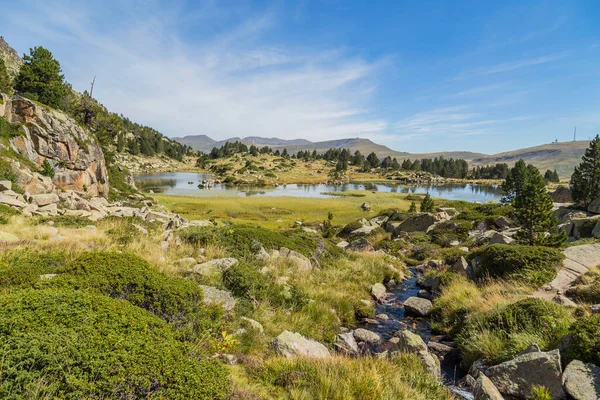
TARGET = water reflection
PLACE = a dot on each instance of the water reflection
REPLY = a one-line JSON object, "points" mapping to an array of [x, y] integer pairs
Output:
{"points": [[186, 184]]}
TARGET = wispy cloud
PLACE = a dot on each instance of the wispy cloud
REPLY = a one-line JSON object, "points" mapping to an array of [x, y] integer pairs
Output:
{"points": [[513, 65], [233, 83]]}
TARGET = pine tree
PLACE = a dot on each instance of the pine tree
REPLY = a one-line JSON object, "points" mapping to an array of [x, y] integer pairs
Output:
{"points": [[533, 208], [40, 78], [413, 207], [516, 179], [5, 81], [585, 181], [427, 204], [373, 160]]}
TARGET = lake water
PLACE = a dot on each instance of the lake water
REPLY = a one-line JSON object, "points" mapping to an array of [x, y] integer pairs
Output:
{"points": [[186, 184]]}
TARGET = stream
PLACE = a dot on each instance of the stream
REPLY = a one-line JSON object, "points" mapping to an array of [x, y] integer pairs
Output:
{"points": [[398, 320]]}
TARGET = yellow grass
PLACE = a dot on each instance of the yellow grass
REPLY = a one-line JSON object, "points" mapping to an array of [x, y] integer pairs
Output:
{"points": [[280, 212]]}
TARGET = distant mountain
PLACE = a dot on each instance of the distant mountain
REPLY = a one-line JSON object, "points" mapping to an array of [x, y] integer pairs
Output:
{"points": [[561, 156]]}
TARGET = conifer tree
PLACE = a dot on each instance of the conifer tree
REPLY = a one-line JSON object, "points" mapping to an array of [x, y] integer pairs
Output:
{"points": [[585, 181], [413, 207], [427, 204]]}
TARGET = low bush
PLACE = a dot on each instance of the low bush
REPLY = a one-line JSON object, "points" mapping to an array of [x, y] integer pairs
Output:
{"points": [[488, 212], [73, 345], [66, 221], [447, 232], [5, 213], [400, 377], [128, 277], [244, 241], [531, 265], [586, 293], [585, 341], [451, 255], [509, 329], [21, 267]]}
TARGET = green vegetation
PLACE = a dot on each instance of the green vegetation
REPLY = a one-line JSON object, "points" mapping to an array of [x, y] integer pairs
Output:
{"points": [[22, 267], [446, 232], [530, 265], [427, 205], [40, 78], [73, 344], [5, 81], [401, 377], [509, 329], [585, 181], [585, 342], [47, 169], [551, 176], [125, 276]]}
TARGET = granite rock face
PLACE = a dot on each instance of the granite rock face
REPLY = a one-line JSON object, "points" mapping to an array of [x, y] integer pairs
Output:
{"points": [[51, 135]]}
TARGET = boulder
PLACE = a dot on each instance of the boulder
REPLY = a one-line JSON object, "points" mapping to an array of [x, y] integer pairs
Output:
{"points": [[223, 298], [51, 135], [416, 223], [361, 245], [412, 343], [367, 336], [5, 185], [562, 194], [41, 200], [594, 206], [290, 344], [418, 306], [503, 222], [582, 381], [460, 267], [499, 238], [363, 231], [8, 237], [379, 292], [220, 263], [518, 376], [484, 389], [300, 260], [343, 244], [347, 343], [11, 201]]}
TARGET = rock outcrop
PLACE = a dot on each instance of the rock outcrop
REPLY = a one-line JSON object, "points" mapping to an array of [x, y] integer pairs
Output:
{"points": [[582, 381], [11, 58], [51, 135]]}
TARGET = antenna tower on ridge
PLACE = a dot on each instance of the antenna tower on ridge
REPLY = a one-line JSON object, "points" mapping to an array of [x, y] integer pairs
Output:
{"points": [[575, 134]]}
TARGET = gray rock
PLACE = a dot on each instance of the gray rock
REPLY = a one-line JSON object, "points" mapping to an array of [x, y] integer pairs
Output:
{"points": [[460, 267], [418, 306], [361, 245], [518, 376], [5, 185], [364, 231], [594, 206], [343, 244], [44, 199], [379, 292], [500, 238], [415, 223], [290, 344], [11, 201], [484, 389], [412, 343], [582, 381], [8, 237], [220, 264], [223, 298], [502, 222], [595, 308], [365, 207], [300, 260], [47, 277], [347, 343], [365, 335], [562, 194]]}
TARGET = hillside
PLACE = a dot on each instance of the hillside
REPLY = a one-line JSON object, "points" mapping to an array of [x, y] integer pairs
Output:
{"points": [[562, 156]]}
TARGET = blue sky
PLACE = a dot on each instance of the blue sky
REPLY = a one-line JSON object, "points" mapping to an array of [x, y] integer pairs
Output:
{"points": [[418, 76]]}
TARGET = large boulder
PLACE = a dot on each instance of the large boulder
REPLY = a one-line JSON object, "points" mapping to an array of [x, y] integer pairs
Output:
{"points": [[562, 194], [290, 344], [379, 292], [416, 223], [346, 343], [5, 185], [582, 381], [418, 306], [410, 342], [42, 200], [51, 135], [484, 389], [518, 376], [361, 245], [300, 260]]}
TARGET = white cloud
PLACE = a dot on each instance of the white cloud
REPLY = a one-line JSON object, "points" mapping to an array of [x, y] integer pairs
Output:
{"points": [[231, 83], [510, 66]]}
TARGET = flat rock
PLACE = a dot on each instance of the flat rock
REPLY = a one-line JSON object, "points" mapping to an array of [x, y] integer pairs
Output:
{"points": [[518, 376], [367, 336], [582, 381], [42, 200], [418, 306], [220, 264], [223, 298], [290, 344], [412, 343], [11, 201], [5, 185]]}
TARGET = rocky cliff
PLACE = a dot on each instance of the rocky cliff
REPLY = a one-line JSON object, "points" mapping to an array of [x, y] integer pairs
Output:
{"points": [[11, 57], [51, 135]]}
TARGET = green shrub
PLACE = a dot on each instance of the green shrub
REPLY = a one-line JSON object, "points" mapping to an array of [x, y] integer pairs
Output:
{"points": [[21, 267], [128, 277], [5, 213], [477, 213], [587, 293], [451, 255], [119, 188], [585, 341], [512, 328], [74, 345], [446, 232], [6, 172], [532, 265], [243, 241], [66, 221], [47, 169], [123, 234]]}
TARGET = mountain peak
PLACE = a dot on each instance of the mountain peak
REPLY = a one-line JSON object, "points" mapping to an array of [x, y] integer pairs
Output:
{"points": [[10, 56]]}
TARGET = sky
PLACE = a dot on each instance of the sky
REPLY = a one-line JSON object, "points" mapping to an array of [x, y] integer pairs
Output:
{"points": [[417, 76]]}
